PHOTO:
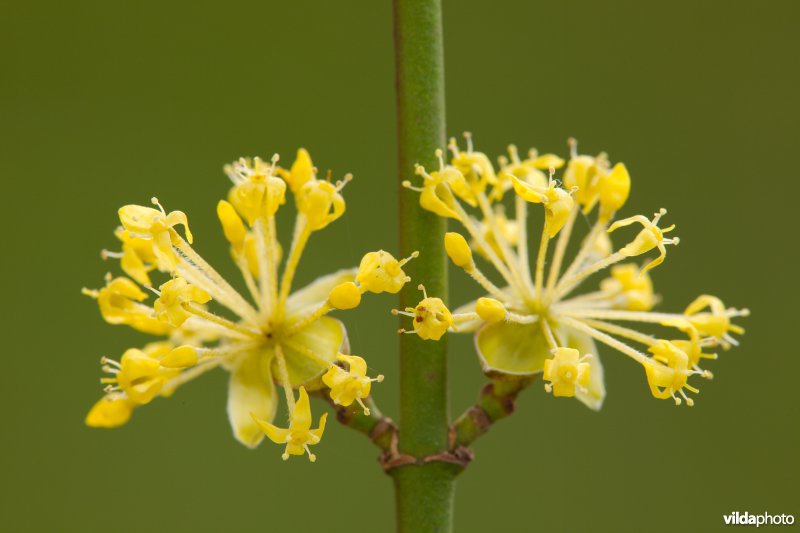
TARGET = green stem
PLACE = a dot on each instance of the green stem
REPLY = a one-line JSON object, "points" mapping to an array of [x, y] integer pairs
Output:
{"points": [[496, 401], [424, 490], [380, 429]]}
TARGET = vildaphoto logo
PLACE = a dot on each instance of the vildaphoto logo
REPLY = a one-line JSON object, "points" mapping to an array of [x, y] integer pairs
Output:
{"points": [[746, 519]]}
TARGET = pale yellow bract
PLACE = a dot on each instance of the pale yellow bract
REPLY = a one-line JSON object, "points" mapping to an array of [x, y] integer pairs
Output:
{"points": [[533, 324], [272, 336]]}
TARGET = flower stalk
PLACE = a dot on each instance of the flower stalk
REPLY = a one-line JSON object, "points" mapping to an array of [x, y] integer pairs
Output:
{"points": [[424, 490]]}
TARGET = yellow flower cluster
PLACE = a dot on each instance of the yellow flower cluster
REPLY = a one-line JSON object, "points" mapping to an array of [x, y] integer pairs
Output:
{"points": [[532, 322], [274, 336]]}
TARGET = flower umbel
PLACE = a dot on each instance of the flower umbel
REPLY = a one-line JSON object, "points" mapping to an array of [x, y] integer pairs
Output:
{"points": [[531, 322], [272, 336]]}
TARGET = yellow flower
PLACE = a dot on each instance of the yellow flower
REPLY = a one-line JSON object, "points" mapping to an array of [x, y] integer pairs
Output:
{"points": [[299, 435], [629, 288], [175, 295], [531, 322], [157, 226], [381, 272], [566, 371], [431, 317], [351, 385], [651, 236], [270, 335]]}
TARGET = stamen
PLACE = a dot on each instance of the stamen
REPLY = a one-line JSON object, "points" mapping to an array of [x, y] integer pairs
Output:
{"points": [[689, 401], [468, 138], [452, 145], [275, 159], [657, 217], [424, 292], [106, 254], [440, 156], [155, 202], [311, 456], [413, 255], [407, 185], [106, 361], [343, 182], [573, 147], [364, 407]]}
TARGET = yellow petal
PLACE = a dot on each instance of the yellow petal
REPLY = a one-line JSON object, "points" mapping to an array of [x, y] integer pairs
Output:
{"points": [[109, 413], [302, 170], [324, 338], [251, 392], [301, 415], [321, 429], [275, 434], [512, 348], [180, 357]]}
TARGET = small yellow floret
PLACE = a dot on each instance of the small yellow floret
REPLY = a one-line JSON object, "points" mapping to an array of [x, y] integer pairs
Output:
{"points": [[558, 204], [351, 385], [120, 303], [157, 226], [432, 318], [490, 310], [667, 372], [629, 288], [345, 296], [650, 237], [170, 307], [381, 272], [257, 193], [566, 371], [139, 375], [320, 202], [708, 315], [299, 435], [458, 250]]}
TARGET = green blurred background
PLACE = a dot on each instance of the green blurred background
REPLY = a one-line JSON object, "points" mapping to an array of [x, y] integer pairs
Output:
{"points": [[105, 103]]}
